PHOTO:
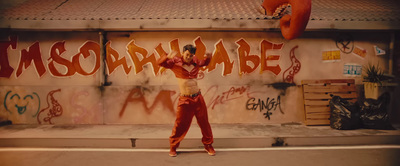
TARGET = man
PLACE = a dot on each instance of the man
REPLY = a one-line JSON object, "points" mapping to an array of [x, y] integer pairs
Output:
{"points": [[191, 102]]}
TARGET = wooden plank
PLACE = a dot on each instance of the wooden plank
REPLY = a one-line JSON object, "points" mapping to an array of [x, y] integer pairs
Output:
{"points": [[310, 109], [349, 81], [318, 116], [324, 102], [317, 102], [318, 122], [317, 94], [327, 95], [316, 111], [320, 113], [330, 88]]}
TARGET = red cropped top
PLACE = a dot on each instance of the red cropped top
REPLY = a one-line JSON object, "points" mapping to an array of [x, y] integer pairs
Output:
{"points": [[176, 63]]}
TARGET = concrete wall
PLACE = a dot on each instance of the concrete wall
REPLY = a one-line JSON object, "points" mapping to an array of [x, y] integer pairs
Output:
{"points": [[59, 77]]}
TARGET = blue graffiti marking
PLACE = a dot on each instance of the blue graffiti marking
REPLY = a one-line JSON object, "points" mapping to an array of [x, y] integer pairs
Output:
{"points": [[5, 103], [37, 112], [21, 109]]}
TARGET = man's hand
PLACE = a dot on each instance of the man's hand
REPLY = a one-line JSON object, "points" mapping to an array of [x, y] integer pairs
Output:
{"points": [[208, 55], [172, 54]]}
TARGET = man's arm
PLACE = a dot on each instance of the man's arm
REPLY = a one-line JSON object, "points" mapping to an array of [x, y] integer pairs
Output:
{"points": [[205, 61], [167, 61]]}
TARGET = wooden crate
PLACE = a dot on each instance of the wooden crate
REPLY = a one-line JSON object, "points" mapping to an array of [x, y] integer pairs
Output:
{"points": [[316, 95]]}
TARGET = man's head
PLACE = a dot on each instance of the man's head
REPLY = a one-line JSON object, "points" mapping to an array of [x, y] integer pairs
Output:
{"points": [[188, 53]]}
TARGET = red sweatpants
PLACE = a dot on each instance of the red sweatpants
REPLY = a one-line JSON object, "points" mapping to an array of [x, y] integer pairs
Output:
{"points": [[187, 108]]}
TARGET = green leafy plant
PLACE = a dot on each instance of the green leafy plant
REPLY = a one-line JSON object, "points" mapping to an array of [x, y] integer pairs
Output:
{"points": [[374, 74]]}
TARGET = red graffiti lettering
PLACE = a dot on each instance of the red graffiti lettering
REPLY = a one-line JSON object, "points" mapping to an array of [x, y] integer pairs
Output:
{"points": [[73, 66], [160, 50], [113, 61], [265, 46], [5, 68], [200, 48], [174, 46], [221, 56], [55, 57], [163, 97], [32, 55], [244, 57], [85, 52], [134, 50], [61, 65]]}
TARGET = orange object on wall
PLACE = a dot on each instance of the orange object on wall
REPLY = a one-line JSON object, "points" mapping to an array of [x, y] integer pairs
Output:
{"points": [[292, 26]]}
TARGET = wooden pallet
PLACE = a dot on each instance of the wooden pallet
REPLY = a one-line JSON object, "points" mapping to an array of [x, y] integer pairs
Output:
{"points": [[316, 95]]}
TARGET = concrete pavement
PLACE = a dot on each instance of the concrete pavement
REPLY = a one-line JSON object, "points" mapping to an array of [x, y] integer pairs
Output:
{"points": [[382, 155], [156, 136]]}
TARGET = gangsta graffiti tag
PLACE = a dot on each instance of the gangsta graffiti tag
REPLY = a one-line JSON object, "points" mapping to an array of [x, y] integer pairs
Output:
{"points": [[270, 104]]}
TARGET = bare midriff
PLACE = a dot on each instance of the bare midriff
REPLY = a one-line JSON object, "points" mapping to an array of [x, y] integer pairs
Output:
{"points": [[188, 86]]}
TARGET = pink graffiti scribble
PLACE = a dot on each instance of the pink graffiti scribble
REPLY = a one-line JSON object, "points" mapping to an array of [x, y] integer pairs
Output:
{"points": [[55, 111], [232, 94], [288, 75], [85, 113]]}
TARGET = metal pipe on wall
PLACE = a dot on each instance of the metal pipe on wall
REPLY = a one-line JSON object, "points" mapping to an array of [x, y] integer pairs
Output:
{"points": [[103, 48]]}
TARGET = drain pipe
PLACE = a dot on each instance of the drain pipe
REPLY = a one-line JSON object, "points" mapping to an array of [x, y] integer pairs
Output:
{"points": [[103, 49]]}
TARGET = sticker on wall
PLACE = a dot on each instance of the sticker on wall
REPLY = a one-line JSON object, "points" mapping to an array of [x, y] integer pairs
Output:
{"points": [[379, 51], [331, 56], [360, 52], [345, 43], [352, 70]]}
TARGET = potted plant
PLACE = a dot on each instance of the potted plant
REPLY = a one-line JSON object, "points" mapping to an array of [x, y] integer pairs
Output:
{"points": [[376, 82]]}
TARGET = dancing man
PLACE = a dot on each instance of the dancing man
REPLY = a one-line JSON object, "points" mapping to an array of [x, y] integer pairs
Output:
{"points": [[191, 102]]}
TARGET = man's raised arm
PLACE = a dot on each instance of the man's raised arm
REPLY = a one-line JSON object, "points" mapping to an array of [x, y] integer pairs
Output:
{"points": [[167, 61]]}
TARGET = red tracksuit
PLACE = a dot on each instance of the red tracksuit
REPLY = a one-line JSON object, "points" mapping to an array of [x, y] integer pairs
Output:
{"points": [[188, 106]]}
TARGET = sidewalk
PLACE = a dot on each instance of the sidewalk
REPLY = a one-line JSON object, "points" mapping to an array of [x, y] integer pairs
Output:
{"points": [[156, 136]]}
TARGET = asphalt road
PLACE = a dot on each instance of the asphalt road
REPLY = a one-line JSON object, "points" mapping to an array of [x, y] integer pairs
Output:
{"points": [[293, 156]]}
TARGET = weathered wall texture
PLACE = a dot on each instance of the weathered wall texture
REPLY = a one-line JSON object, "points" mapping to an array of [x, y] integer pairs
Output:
{"points": [[254, 77]]}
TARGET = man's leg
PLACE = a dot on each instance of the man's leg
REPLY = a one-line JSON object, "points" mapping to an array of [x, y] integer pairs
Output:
{"points": [[202, 120], [184, 116]]}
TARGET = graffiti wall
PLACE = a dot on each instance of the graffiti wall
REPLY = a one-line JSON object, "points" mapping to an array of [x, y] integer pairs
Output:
{"points": [[253, 77]]}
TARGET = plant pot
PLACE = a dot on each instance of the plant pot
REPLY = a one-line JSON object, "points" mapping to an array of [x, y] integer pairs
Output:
{"points": [[374, 90]]}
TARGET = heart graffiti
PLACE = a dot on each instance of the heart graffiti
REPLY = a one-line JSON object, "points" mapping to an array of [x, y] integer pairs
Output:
{"points": [[15, 102]]}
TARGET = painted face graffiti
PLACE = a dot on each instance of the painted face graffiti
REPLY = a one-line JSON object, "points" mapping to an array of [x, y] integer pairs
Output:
{"points": [[13, 102]]}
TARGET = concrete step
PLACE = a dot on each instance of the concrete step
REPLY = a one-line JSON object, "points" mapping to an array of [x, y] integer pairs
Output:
{"points": [[156, 136]]}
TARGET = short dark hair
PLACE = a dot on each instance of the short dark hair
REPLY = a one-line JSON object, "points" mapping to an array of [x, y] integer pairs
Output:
{"points": [[191, 48]]}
